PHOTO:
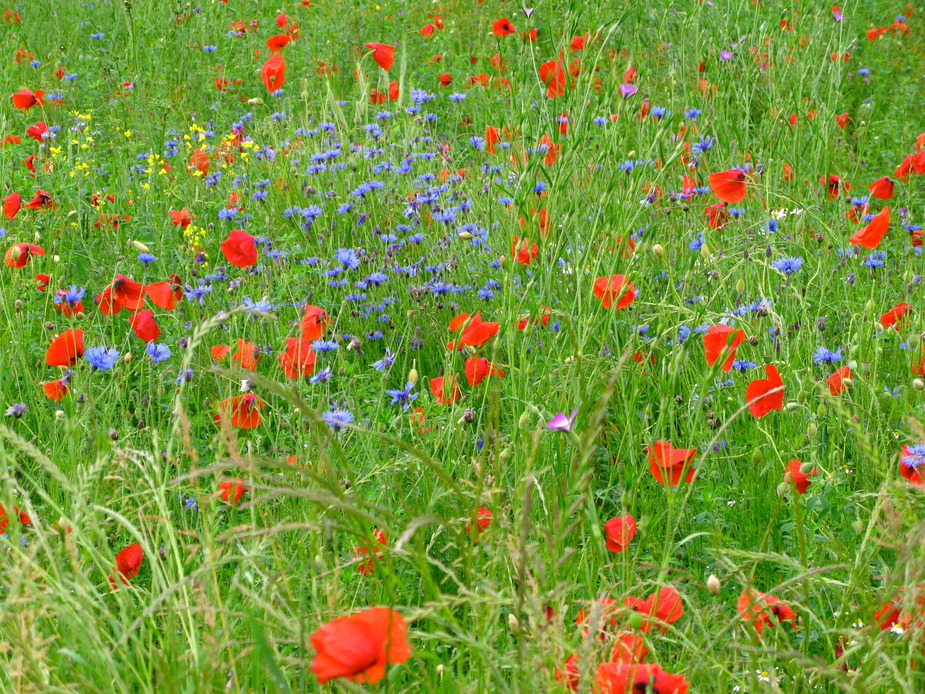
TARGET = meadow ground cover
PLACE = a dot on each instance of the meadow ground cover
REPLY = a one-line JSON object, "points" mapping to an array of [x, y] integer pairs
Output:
{"points": [[462, 347]]}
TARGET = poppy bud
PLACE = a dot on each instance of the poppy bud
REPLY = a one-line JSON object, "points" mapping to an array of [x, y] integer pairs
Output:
{"points": [[756, 457], [812, 430], [141, 247], [918, 384], [56, 258], [806, 468], [658, 250], [791, 406], [784, 487], [636, 620], [513, 623], [465, 235], [505, 455], [914, 341], [705, 251], [257, 101], [18, 305], [38, 238], [740, 286], [713, 584], [59, 414], [127, 357], [847, 382], [113, 434], [413, 376], [820, 411], [801, 397], [869, 306], [524, 420], [15, 253]]}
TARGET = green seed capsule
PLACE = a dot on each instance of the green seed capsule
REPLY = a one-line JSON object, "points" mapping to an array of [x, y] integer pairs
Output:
{"points": [[812, 430], [740, 286], [756, 457]]}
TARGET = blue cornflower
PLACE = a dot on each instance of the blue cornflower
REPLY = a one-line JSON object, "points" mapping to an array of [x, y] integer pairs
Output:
{"points": [[323, 345], [348, 257], [788, 265], [210, 49], [320, 376], [875, 259], [456, 97], [185, 376], [386, 361], [743, 365], [101, 358], [692, 113], [403, 396], [72, 295], [158, 353], [146, 257], [915, 456], [337, 419], [823, 355]]}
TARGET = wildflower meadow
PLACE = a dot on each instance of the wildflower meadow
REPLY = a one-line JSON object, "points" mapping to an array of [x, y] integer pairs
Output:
{"points": [[460, 346]]}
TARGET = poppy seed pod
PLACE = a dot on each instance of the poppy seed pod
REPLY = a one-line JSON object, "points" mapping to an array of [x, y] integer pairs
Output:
{"points": [[513, 623], [523, 420], [914, 341], [756, 457], [740, 286], [812, 430], [791, 406]]}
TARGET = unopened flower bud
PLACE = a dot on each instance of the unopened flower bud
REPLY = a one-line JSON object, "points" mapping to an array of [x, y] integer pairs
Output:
{"points": [[524, 419], [812, 430], [636, 620], [465, 235], [127, 357], [713, 584], [413, 376], [513, 623], [141, 247], [918, 384], [791, 406], [756, 457], [740, 286], [658, 250]]}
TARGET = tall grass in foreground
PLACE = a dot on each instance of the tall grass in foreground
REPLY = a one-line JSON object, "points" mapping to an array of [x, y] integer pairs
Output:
{"points": [[228, 594]]}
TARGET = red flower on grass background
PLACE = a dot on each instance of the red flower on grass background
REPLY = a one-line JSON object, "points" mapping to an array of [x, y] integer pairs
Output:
{"points": [[360, 647], [765, 394]]}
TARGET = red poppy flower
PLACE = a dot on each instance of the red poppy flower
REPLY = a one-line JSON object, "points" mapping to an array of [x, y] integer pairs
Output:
{"points": [[569, 674], [477, 369], [299, 358], [882, 188], [200, 161], [474, 331], [128, 560], [371, 551], [758, 608], [445, 389], [231, 491], [243, 410], [729, 185], [278, 42], [239, 248], [615, 291], [719, 338], [835, 185], [361, 646], [144, 325], [383, 54], [314, 321], [445, 79], [55, 390], [163, 295], [895, 315], [619, 532], [482, 521], [43, 281], [127, 293], [669, 465], [273, 72], [502, 27], [619, 678], [180, 218], [765, 394], [523, 250], [552, 74], [25, 99], [19, 255], [836, 380], [869, 236], [247, 354], [37, 131], [12, 203], [427, 30], [717, 217], [794, 474], [40, 201], [66, 348]]}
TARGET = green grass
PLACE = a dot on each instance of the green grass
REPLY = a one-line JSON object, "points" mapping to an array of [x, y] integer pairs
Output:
{"points": [[228, 596]]}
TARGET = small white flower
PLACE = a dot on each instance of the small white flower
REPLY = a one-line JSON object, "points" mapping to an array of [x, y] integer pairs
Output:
{"points": [[245, 385]]}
